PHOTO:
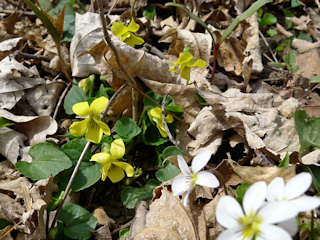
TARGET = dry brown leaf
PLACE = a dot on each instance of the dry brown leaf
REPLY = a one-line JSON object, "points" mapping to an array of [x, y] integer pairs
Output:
{"points": [[156, 233], [267, 174], [29, 218], [312, 158], [168, 213], [139, 220], [308, 63]]}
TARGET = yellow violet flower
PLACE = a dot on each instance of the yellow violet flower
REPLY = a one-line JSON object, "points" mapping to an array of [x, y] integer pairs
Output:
{"points": [[186, 61], [87, 83], [92, 127], [156, 114], [111, 167], [126, 33]]}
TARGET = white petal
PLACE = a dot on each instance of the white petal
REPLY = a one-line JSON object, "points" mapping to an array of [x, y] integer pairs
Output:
{"points": [[271, 232], [186, 199], [290, 226], [298, 185], [254, 197], [278, 211], [180, 185], [183, 166], [306, 203], [228, 211], [200, 160], [275, 190], [231, 234], [207, 179]]}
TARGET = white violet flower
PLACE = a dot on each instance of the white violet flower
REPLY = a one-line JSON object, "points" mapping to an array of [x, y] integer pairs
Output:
{"points": [[189, 179], [291, 193], [256, 218]]}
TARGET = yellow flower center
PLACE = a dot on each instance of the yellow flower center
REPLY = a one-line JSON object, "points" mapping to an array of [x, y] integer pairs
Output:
{"points": [[194, 178], [251, 225]]}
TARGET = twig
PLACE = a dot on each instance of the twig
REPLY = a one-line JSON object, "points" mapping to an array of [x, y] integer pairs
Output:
{"points": [[23, 55], [112, 7], [128, 224], [168, 130], [117, 58], [310, 91], [75, 170], [112, 99], [268, 46], [60, 101]]}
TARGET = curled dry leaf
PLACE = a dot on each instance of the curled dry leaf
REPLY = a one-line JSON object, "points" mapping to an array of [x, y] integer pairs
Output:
{"points": [[35, 128], [139, 220], [266, 128], [267, 174], [168, 214], [312, 158], [28, 217]]}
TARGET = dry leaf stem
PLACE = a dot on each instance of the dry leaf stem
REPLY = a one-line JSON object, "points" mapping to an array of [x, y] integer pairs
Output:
{"points": [[62, 64], [174, 142], [131, 82], [75, 170]]}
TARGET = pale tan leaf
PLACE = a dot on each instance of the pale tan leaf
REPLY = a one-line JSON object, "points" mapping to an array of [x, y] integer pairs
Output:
{"points": [[267, 174]]}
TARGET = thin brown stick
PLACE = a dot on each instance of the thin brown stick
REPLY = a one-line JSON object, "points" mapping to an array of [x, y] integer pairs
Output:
{"points": [[310, 91], [60, 100], [174, 142], [18, 54], [75, 170], [220, 178]]}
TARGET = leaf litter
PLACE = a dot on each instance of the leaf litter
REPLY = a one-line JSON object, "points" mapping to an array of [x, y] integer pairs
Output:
{"points": [[242, 112]]}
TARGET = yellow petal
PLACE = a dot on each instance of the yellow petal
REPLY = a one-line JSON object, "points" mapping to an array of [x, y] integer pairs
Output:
{"points": [[102, 158], [200, 63], [156, 112], [169, 118], [125, 36], [185, 73], [136, 40], [104, 127], [117, 148], [78, 129], [133, 26], [184, 57], [129, 42], [118, 29], [98, 105], [162, 130], [104, 171], [81, 109], [126, 167], [115, 173], [94, 132]]}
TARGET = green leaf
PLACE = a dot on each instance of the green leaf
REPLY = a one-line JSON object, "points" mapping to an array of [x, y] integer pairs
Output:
{"points": [[78, 222], [290, 59], [46, 5], [4, 223], [69, 23], [124, 233], [131, 195], [276, 64], [315, 172], [47, 160], [295, 3], [315, 79], [5, 122], [200, 99], [75, 95], [308, 129], [287, 43], [45, 20], [305, 37], [171, 151], [149, 11], [272, 32], [241, 190], [250, 11], [167, 173], [88, 173], [269, 19], [287, 13], [285, 161], [127, 129], [101, 92], [151, 135]]}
